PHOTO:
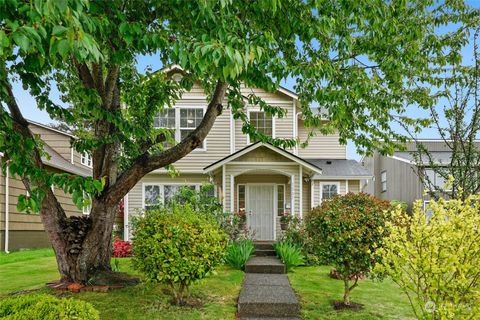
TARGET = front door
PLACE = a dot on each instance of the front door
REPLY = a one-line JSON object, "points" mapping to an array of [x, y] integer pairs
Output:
{"points": [[261, 211]]}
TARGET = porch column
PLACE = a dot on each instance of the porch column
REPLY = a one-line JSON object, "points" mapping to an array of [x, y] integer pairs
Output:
{"points": [[312, 193], [300, 191], [346, 186], [292, 194], [224, 185], [232, 195]]}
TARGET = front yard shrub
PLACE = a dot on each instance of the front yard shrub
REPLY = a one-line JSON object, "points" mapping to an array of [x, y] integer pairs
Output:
{"points": [[239, 252], [176, 246], [346, 232], [435, 260], [121, 249], [46, 307], [289, 254]]}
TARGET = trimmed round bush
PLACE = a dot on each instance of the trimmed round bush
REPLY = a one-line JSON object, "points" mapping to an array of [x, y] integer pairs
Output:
{"points": [[46, 307], [346, 232], [176, 246]]}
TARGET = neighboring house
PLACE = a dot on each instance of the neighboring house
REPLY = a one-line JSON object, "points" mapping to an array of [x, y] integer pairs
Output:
{"points": [[262, 180], [19, 230], [397, 177]]}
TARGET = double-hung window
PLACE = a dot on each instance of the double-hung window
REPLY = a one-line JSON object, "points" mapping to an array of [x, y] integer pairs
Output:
{"points": [[383, 180], [328, 190], [86, 159], [436, 180], [263, 122], [155, 194], [181, 122]]}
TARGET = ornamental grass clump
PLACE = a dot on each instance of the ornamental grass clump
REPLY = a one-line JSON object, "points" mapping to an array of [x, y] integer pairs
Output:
{"points": [[435, 258], [346, 232], [176, 246], [290, 254], [239, 252]]}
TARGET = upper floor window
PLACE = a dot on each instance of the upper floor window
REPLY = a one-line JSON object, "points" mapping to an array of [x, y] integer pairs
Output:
{"points": [[383, 180], [263, 122], [86, 159], [182, 121], [434, 179], [329, 190]]}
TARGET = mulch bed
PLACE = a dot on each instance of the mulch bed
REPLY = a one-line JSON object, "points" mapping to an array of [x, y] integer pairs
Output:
{"points": [[339, 305], [102, 282]]}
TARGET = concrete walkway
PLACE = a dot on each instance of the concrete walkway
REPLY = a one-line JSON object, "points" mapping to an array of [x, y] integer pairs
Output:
{"points": [[266, 292]]}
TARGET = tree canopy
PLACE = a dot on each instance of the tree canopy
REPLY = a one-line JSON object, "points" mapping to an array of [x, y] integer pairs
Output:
{"points": [[362, 62]]}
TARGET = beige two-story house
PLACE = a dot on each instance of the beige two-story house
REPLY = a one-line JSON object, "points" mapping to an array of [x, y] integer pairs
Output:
{"points": [[262, 180], [21, 230]]}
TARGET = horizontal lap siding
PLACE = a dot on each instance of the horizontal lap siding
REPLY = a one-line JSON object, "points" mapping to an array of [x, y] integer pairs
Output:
{"points": [[320, 146], [283, 126], [217, 141], [58, 141]]}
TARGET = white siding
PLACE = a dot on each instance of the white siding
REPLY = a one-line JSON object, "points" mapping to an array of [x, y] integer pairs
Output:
{"points": [[320, 146]]}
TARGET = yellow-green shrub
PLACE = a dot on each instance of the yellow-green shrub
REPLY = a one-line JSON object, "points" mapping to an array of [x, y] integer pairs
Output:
{"points": [[176, 246], [436, 260], [46, 307]]}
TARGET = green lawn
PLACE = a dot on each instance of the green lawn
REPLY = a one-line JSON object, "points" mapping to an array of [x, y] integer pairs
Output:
{"points": [[28, 270], [381, 300]]}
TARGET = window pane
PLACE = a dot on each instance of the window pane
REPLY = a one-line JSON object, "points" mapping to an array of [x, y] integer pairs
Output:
{"points": [[165, 119], [329, 190], [241, 198], [191, 117], [281, 199], [170, 190], [262, 122], [152, 196]]}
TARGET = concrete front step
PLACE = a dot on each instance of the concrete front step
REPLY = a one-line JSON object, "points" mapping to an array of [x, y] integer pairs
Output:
{"points": [[267, 296], [263, 245], [265, 253], [264, 265]]}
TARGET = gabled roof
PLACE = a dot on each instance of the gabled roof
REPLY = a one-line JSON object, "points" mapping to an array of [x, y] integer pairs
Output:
{"points": [[340, 168], [38, 124], [59, 162], [256, 145], [280, 89]]}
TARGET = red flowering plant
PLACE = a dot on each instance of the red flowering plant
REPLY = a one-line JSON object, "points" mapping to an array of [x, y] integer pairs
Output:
{"points": [[121, 249]]}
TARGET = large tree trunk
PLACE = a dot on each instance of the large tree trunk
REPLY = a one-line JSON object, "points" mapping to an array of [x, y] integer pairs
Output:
{"points": [[82, 245]]}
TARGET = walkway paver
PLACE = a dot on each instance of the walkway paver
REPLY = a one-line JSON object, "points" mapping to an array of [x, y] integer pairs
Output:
{"points": [[266, 292]]}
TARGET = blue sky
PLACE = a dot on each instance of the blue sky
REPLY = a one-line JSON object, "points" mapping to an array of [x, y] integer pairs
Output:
{"points": [[30, 111]]}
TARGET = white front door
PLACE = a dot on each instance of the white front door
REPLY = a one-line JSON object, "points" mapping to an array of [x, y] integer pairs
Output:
{"points": [[261, 211]]}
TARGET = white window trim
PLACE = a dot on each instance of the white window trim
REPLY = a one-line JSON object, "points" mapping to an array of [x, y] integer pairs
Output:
{"points": [[435, 182], [337, 183], [238, 195], [382, 181], [177, 125], [284, 196], [85, 155], [162, 185], [273, 123]]}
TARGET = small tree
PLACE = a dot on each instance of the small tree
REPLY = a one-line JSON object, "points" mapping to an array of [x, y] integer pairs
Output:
{"points": [[176, 246], [346, 232], [436, 260]]}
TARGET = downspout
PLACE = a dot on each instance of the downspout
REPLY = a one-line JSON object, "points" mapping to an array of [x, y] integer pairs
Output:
{"points": [[7, 204], [296, 131]]}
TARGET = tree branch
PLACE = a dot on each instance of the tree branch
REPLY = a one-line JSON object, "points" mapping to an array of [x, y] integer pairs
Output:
{"points": [[146, 163]]}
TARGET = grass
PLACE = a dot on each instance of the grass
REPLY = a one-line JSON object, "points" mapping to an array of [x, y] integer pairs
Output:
{"points": [[28, 270], [381, 300]]}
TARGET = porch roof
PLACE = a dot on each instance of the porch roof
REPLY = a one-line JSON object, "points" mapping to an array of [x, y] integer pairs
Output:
{"points": [[340, 169], [217, 164]]}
